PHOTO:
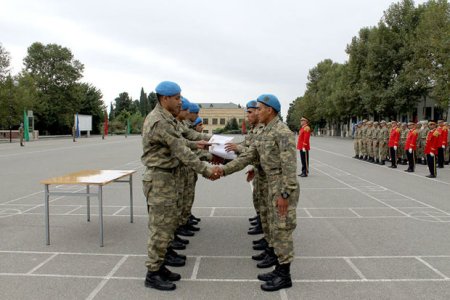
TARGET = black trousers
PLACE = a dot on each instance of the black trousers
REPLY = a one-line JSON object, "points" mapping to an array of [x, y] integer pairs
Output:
{"points": [[440, 158], [393, 154], [411, 159], [304, 157], [431, 160]]}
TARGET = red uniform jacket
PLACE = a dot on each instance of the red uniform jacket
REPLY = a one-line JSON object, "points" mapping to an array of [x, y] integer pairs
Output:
{"points": [[411, 140], [395, 137], [432, 142], [303, 138]]}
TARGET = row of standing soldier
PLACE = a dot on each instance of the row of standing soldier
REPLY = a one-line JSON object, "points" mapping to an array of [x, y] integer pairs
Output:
{"points": [[378, 142]]}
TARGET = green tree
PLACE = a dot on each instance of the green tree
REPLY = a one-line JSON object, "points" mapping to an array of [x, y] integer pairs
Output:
{"points": [[5, 61], [143, 103], [55, 72], [152, 100], [91, 104], [123, 103]]}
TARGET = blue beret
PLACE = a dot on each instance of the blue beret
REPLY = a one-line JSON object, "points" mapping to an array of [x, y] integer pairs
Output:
{"points": [[251, 104], [185, 103], [194, 108], [270, 100], [198, 121], [168, 88]]}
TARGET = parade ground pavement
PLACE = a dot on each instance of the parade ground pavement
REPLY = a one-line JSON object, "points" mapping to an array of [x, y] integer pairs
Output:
{"points": [[364, 231]]}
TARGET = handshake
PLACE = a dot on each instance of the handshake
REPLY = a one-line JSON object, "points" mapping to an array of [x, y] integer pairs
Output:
{"points": [[216, 173]]}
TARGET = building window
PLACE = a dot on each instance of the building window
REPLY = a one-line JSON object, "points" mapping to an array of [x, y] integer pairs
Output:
{"points": [[205, 121], [205, 131], [214, 121], [222, 121]]}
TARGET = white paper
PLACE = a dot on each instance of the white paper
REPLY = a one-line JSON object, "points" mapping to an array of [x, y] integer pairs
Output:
{"points": [[218, 146]]}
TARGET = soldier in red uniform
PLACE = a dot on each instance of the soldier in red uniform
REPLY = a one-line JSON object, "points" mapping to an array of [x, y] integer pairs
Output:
{"points": [[411, 146], [303, 145], [442, 141], [431, 148], [394, 140]]}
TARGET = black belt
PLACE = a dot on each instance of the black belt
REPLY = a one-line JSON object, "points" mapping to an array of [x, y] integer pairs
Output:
{"points": [[157, 169]]}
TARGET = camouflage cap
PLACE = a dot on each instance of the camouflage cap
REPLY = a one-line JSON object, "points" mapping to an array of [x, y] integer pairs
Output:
{"points": [[382, 122], [375, 123]]}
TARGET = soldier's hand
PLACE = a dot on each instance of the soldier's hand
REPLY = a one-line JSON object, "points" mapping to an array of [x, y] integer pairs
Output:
{"points": [[395, 148], [203, 145], [216, 173], [432, 154], [282, 206], [231, 147], [250, 175], [303, 149], [410, 150]]}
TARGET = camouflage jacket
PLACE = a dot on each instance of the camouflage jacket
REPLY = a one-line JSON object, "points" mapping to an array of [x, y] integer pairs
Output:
{"points": [[275, 149], [358, 133], [384, 135], [163, 144]]}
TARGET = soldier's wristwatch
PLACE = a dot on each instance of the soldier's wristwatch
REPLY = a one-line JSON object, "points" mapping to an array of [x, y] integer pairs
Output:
{"points": [[284, 195]]}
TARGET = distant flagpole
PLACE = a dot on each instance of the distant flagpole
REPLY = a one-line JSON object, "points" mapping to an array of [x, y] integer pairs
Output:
{"points": [[26, 129], [128, 127]]}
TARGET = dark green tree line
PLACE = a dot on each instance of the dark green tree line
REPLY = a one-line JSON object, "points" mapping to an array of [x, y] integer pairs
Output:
{"points": [[390, 68]]}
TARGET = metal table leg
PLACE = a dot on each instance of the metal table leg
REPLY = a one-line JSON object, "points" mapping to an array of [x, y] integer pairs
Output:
{"points": [[88, 204], [100, 213], [131, 198], [47, 215]]}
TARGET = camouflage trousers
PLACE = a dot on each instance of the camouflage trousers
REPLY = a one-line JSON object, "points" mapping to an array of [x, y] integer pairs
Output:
{"points": [[383, 150], [400, 153], [187, 193], [260, 188], [375, 149], [281, 228], [369, 147], [362, 147], [356, 143], [421, 148], [161, 190]]}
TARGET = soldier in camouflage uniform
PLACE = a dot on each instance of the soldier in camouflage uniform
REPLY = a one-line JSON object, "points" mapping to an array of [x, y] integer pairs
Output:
{"points": [[275, 149], [369, 148], [383, 139], [357, 140], [403, 135], [363, 140], [423, 133], [188, 179], [188, 175], [257, 176], [375, 149], [163, 149]]}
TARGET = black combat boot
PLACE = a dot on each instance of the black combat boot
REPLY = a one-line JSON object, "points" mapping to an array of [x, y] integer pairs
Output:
{"points": [[258, 241], [191, 227], [255, 230], [177, 238], [169, 275], [270, 275], [178, 245], [157, 281], [261, 246], [282, 279], [377, 161], [183, 231], [252, 218], [174, 260], [382, 162], [195, 218], [170, 251], [192, 222], [261, 255], [269, 260], [256, 222]]}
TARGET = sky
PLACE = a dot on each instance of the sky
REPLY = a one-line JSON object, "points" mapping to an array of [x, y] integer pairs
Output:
{"points": [[217, 51]]}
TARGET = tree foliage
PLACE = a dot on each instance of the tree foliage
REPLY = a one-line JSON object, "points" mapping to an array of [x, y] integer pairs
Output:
{"points": [[390, 67]]}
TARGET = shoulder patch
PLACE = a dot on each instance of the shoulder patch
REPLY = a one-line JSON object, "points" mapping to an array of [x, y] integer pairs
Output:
{"points": [[436, 133], [307, 129]]}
